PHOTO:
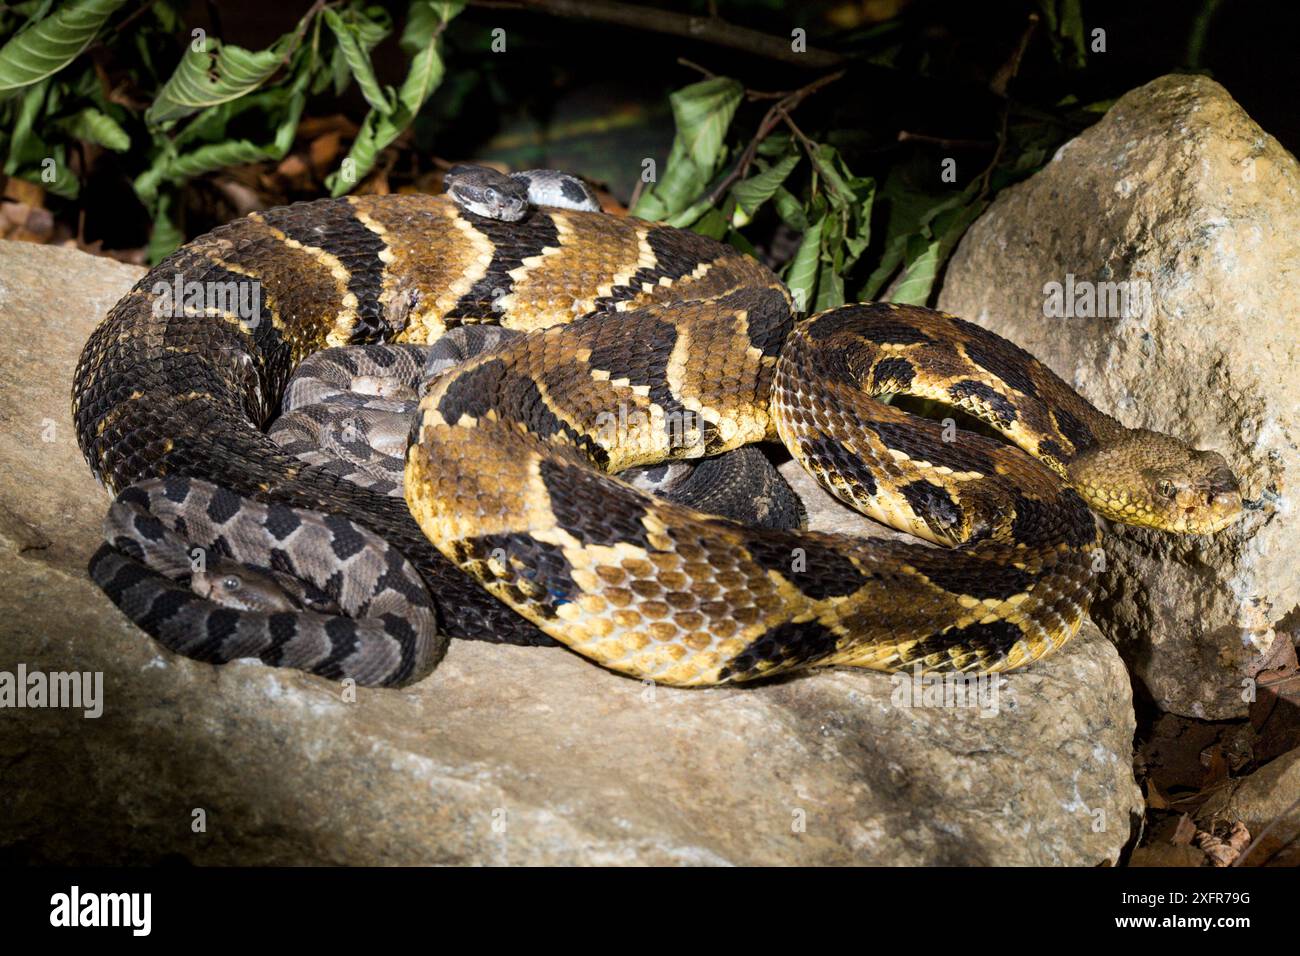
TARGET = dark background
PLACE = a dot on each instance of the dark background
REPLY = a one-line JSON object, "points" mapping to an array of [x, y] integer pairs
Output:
{"points": [[592, 97]]}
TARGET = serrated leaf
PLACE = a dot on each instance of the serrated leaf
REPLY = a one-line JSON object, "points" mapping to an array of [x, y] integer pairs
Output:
{"points": [[171, 165], [166, 236], [214, 156], [425, 20], [96, 127], [712, 224], [801, 277], [917, 278], [53, 42], [215, 74], [63, 183], [790, 209], [776, 144], [354, 36], [702, 113], [750, 194], [845, 189], [426, 73], [830, 288], [910, 214], [24, 145], [378, 129]]}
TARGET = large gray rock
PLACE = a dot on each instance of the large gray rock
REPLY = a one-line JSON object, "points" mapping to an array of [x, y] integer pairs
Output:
{"points": [[504, 755], [1179, 191]]}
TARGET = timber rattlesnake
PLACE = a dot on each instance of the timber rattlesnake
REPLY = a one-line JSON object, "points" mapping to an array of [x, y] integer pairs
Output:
{"points": [[641, 344]]}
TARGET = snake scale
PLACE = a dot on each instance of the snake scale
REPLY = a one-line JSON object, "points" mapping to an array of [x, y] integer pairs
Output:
{"points": [[640, 344]]}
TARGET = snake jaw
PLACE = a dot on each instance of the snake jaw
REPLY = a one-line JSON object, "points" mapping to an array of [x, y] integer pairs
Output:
{"points": [[1152, 480], [486, 192]]}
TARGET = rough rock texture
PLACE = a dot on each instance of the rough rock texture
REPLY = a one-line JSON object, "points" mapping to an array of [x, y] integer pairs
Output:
{"points": [[1265, 798], [504, 755], [1178, 189]]}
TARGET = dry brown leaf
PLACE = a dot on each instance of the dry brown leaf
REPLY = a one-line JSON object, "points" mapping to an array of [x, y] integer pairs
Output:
{"points": [[323, 151], [1222, 852], [20, 190], [1184, 832], [1155, 799]]}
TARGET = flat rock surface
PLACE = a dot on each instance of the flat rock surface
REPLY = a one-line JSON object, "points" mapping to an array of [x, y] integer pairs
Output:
{"points": [[1180, 196], [505, 754]]}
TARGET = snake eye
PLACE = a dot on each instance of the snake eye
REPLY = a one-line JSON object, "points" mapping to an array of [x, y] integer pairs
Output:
{"points": [[231, 583], [490, 194], [1166, 487]]}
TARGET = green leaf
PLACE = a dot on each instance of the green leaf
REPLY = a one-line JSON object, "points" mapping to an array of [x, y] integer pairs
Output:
{"points": [[24, 145], [776, 144], [910, 213], [801, 277], [356, 35], [737, 241], [426, 72], [100, 128], [64, 184], [214, 74], [214, 156], [712, 224], [688, 216], [166, 236], [172, 166], [52, 43], [950, 225], [750, 194], [830, 288], [425, 21], [1064, 20], [790, 210], [917, 279], [702, 112]]}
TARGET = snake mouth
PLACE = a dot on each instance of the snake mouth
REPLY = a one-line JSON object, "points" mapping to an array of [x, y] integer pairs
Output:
{"points": [[1220, 511]]}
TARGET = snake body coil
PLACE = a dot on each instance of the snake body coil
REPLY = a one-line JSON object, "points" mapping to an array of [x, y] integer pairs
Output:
{"points": [[641, 344]]}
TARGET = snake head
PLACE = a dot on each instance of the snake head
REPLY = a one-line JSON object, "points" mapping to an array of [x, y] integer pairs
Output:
{"points": [[486, 192], [234, 586], [1156, 481]]}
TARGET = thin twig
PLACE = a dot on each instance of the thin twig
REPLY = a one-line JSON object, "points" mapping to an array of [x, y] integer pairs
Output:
{"points": [[1264, 832], [809, 146], [987, 177], [999, 84], [301, 31], [775, 114], [636, 192], [695, 66], [135, 14], [705, 29], [906, 136]]}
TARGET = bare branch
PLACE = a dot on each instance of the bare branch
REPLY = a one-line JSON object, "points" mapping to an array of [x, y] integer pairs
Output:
{"points": [[705, 29]]}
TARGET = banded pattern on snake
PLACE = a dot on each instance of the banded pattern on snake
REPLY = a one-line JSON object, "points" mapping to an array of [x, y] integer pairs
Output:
{"points": [[510, 472]]}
